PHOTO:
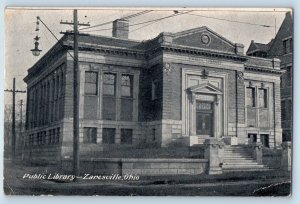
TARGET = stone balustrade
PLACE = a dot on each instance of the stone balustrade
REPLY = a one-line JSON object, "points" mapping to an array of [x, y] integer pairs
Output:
{"points": [[257, 152], [286, 157], [214, 151]]}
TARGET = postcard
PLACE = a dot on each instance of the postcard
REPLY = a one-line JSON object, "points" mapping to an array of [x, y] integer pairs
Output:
{"points": [[148, 101]]}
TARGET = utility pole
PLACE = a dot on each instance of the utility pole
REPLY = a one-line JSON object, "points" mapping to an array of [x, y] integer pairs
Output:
{"points": [[76, 82], [21, 116], [275, 28], [76, 99], [13, 139], [21, 129]]}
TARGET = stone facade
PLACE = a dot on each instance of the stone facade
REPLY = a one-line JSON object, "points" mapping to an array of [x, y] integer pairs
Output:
{"points": [[178, 88]]}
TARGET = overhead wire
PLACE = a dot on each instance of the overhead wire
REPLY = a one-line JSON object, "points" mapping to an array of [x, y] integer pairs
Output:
{"points": [[173, 15], [59, 42], [137, 14], [145, 22], [127, 17], [232, 21]]}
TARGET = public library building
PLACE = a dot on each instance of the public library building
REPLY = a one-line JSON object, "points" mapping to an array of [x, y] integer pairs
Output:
{"points": [[178, 88]]}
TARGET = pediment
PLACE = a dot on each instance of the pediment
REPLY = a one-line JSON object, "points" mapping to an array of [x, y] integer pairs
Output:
{"points": [[205, 88], [203, 37]]}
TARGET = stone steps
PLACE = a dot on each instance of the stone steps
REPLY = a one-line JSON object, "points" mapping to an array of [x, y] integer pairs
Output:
{"points": [[242, 165], [248, 170], [239, 158], [235, 161]]}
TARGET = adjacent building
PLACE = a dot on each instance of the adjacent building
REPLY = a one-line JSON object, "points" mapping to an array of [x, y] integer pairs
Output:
{"points": [[181, 88], [281, 47]]}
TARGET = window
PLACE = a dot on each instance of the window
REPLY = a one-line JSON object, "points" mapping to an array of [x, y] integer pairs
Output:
{"points": [[52, 99], [286, 136], [153, 134], [44, 138], [263, 98], [109, 99], [283, 113], [108, 136], [57, 136], [154, 90], [109, 84], [287, 45], [127, 99], [89, 135], [40, 138], [31, 140], [289, 109], [91, 83], [288, 76], [109, 108], [264, 138], [50, 137], [126, 109], [250, 97], [126, 136], [53, 136], [126, 84]]}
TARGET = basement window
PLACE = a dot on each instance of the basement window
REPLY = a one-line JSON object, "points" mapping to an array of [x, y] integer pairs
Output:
{"points": [[90, 135], [126, 136], [252, 137], [108, 135], [264, 138]]}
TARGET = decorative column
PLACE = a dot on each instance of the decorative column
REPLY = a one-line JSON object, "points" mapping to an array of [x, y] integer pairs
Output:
{"points": [[215, 119], [216, 115], [286, 157], [257, 152], [214, 151], [192, 114], [241, 137]]}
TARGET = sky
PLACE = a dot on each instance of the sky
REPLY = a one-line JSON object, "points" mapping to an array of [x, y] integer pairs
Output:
{"points": [[20, 30]]}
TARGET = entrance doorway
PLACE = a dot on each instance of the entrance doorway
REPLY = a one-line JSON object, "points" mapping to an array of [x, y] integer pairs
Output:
{"points": [[204, 118]]}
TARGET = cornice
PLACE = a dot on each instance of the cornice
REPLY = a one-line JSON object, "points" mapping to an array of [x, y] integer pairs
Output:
{"points": [[142, 54], [266, 70], [202, 52]]}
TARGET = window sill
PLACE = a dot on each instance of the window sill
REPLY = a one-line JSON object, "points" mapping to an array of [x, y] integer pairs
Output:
{"points": [[91, 95]]}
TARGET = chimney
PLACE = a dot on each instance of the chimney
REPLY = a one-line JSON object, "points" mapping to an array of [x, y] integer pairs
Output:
{"points": [[120, 28]]}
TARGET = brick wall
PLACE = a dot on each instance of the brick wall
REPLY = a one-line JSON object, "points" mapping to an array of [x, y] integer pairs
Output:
{"points": [[286, 30], [172, 93], [68, 106], [150, 110], [277, 115]]}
